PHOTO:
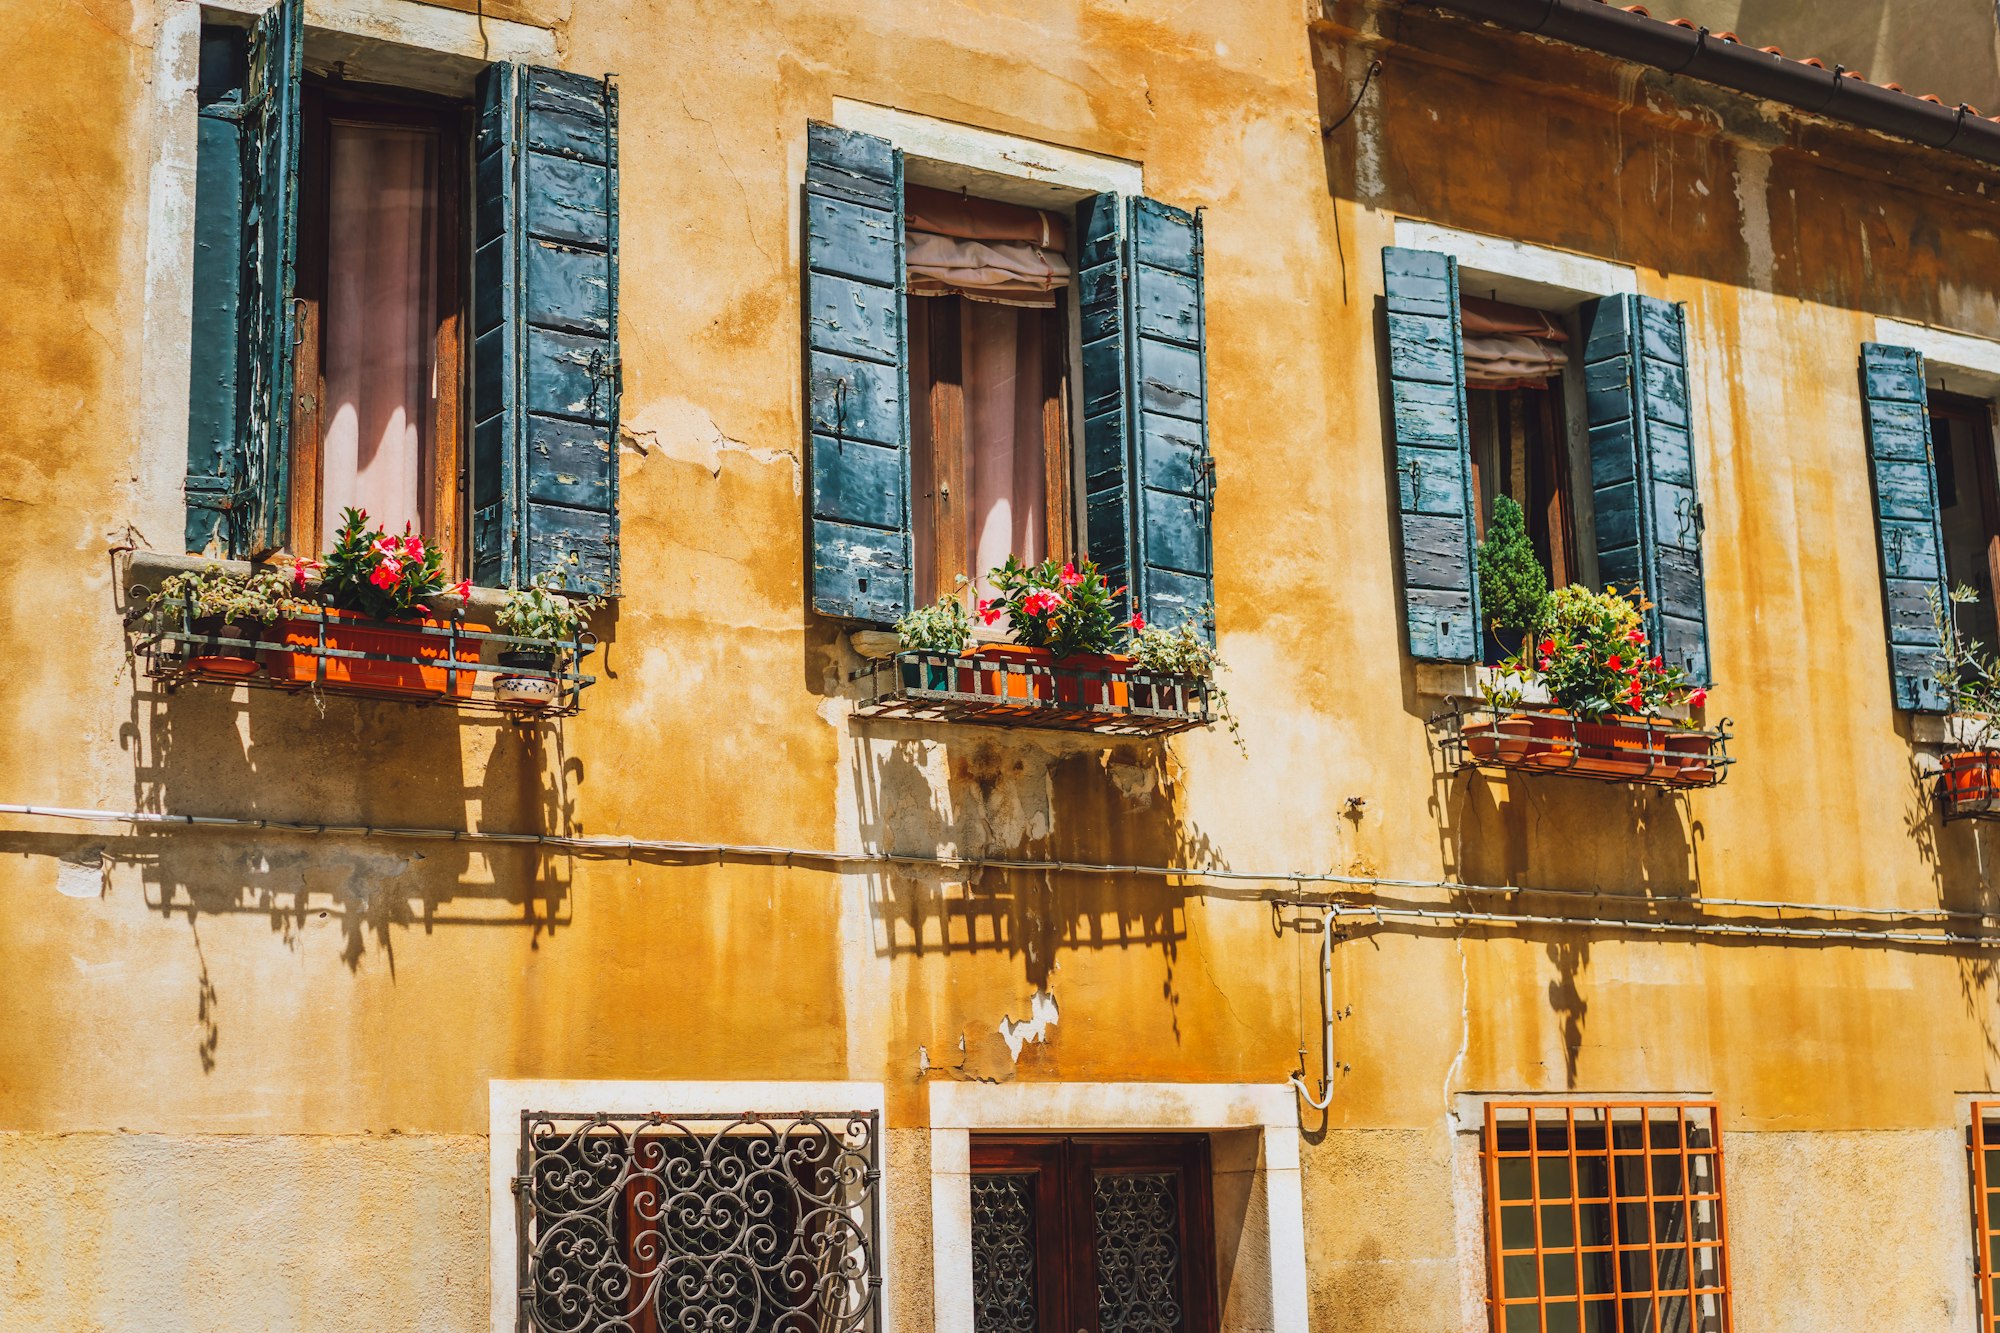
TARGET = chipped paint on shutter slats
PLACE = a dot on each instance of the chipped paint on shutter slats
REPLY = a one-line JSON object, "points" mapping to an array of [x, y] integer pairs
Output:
{"points": [[215, 385], [1433, 455], [546, 373], [857, 376], [260, 512], [1903, 467]]}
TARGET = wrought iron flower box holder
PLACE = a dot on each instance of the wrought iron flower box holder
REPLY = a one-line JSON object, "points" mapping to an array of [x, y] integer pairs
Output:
{"points": [[173, 648], [1016, 692], [1968, 784], [1628, 751]]}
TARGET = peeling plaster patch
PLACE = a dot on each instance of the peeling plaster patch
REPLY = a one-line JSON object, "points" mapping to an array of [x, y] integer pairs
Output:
{"points": [[681, 430], [80, 873], [1135, 782], [1753, 202], [1042, 1016]]}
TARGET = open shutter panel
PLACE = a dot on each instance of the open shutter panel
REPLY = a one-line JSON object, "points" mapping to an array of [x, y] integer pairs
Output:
{"points": [[545, 315], [1169, 466], [857, 376], [1101, 301], [270, 257], [1906, 519], [1642, 469], [1433, 458], [215, 471]]}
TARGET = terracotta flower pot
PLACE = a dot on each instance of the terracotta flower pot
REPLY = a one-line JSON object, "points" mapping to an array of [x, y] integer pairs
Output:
{"points": [[352, 632], [222, 659], [1969, 776]]}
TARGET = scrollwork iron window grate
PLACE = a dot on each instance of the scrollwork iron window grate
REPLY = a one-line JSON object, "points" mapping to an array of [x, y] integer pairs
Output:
{"points": [[655, 1223]]}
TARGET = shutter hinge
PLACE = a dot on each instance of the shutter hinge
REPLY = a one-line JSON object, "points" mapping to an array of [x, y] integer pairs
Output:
{"points": [[520, 1184]]}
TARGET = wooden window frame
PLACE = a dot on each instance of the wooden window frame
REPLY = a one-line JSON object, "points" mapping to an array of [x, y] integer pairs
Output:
{"points": [[322, 102], [1983, 1137], [1566, 1117], [1978, 414], [944, 468], [1063, 1167]]}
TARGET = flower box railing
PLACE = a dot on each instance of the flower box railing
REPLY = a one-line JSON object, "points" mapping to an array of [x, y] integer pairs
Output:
{"points": [[437, 659], [1968, 783], [1024, 687], [1655, 752]]}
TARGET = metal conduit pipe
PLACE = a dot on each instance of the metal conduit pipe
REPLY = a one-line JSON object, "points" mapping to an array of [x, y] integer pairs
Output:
{"points": [[1699, 54], [598, 845], [1325, 1098]]}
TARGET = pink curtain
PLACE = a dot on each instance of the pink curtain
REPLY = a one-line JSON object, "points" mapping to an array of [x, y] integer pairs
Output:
{"points": [[380, 319], [1005, 460]]}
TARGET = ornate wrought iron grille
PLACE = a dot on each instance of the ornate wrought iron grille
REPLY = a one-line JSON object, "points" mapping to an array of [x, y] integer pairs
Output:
{"points": [[763, 1223], [1003, 1254], [1138, 1253]]}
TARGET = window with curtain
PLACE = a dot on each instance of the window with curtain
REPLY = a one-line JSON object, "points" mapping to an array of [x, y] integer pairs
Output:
{"points": [[989, 364], [1968, 507], [376, 414]]}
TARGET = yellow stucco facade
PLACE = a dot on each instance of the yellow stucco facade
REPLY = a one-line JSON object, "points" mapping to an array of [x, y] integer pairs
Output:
{"points": [[246, 1085]]}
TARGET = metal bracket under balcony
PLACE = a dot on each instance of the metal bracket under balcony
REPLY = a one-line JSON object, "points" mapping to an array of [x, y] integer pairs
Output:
{"points": [[1020, 691]]}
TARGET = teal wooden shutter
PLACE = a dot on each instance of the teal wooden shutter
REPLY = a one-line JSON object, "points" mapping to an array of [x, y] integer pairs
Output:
{"points": [[1433, 456], [216, 468], [1642, 470], [1904, 471], [546, 374], [270, 250], [857, 372], [1148, 476]]}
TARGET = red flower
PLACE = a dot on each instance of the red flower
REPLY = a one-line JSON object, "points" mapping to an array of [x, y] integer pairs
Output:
{"points": [[386, 574], [1136, 623], [1696, 698], [1040, 602], [1635, 636], [1544, 664], [302, 570], [989, 610], [463, 590], [1614, 663], [1070, 578], [1658, 663], [1548, 647]]}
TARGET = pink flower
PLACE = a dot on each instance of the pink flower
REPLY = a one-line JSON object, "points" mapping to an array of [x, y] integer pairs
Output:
{"points": [[413, 546], [1136, 623], [1040, 602], [1070, 578], [989, 610], [1543, 665], [1696, 698], [462, 590], [1635, 636], [302, 570], [385, 575]]}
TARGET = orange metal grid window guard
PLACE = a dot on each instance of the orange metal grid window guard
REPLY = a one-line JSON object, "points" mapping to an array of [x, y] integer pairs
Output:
{"points": [[1984, 1141], [1606, 1217]]}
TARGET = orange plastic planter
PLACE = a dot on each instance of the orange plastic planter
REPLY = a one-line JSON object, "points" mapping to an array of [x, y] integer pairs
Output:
{"points": [[351, 632], [1001, 684]]}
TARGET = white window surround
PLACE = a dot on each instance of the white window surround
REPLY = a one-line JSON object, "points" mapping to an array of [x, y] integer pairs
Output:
{"points": [[1964, 363], [1530, 275], [508, 1098], [1254, 1136], [993, 165]]}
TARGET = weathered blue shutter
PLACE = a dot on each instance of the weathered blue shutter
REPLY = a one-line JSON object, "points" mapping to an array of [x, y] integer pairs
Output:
{"points": [[1148, 477], [1642, 472], [545, 330], [1433, 457], [215, 471], [857, 372], [1906, 519], [257, 479]]}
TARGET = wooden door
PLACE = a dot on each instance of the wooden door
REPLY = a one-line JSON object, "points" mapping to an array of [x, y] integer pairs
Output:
{"points": [[1092, 1234]]}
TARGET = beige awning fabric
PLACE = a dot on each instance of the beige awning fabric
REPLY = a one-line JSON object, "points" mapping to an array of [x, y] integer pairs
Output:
{"points": [[1510, 346], [959, 246]]}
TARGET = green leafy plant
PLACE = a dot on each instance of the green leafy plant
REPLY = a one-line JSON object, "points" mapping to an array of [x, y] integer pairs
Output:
{"points": [[1513, 586], [1183, 651], [1591, 652], [214, 592], [378, 575], [1968, 676], [1059, 607], [943, 627], [543, 611]]}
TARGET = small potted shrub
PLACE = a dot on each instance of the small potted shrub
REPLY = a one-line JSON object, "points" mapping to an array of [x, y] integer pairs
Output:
{"points": [[543, 613], [1969, 679], [943, 627], [1513, 586], [1058, 613], [1182, 651], [219, 605], [372, 576], [1591, 652]]}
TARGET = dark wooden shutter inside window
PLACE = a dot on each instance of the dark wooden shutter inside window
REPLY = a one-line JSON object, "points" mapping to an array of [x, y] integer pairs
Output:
{"points": [[546, 374]]}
